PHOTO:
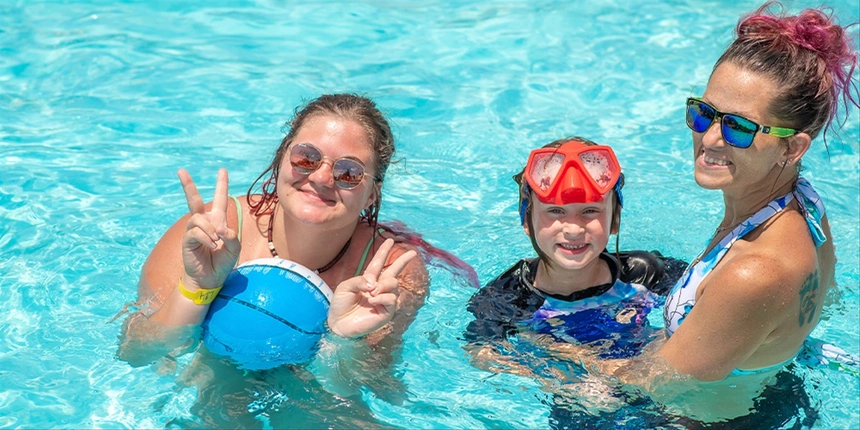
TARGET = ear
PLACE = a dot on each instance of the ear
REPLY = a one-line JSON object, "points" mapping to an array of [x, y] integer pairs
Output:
{"points": [[374, 194], [526, 229], [797, 147]]}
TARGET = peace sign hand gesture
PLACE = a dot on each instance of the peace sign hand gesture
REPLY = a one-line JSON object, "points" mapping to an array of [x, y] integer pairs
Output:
{"points": [[210, 249], [365, 303]]}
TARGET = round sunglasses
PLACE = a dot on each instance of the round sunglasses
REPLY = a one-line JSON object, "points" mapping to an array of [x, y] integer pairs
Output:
{"points": [[346, 171], [737, 131]]}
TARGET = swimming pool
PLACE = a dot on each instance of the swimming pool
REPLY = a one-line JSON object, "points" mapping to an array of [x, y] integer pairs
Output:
{"points": [[101, 102]]}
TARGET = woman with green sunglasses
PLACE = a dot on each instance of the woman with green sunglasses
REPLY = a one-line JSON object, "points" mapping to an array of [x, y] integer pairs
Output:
{"points": [[748, 302], [745, 306]]}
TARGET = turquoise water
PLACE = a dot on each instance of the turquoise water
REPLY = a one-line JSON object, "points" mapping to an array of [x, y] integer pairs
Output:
{"points": [[101, 102]]}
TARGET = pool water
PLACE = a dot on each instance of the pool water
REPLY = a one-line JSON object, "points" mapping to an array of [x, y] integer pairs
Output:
{"points": [[102, 101]]}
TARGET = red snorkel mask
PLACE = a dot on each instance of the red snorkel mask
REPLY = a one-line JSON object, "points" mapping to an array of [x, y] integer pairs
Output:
{"points": [[572, 173]]}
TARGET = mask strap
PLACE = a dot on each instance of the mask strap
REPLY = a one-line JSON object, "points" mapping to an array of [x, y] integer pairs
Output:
{"points": [[524, 202], [617, 189]]}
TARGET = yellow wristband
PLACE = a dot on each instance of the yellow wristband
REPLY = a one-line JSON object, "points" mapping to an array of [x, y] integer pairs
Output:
{"points": [[202, 296]]}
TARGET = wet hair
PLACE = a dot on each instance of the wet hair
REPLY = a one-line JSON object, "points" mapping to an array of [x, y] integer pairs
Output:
{"points": [[529, 200], [350, 107], [810, 58]]}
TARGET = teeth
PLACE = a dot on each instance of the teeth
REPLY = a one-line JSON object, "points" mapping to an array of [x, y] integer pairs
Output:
{"points": [[571, 247], [710, 160]]}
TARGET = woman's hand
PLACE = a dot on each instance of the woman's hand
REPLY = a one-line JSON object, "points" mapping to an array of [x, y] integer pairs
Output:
{"points": [[365, 303], [210, 249]]}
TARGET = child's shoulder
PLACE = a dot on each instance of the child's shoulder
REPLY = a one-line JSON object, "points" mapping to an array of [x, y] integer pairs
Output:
{"points": [[512, 286], [521, 272]]}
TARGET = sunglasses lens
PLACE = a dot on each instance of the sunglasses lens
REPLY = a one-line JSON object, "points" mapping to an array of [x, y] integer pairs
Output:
{"points": [[545, 169], [738, 131], [699, 116], [347, 173], [305, 158], [600, 167]]}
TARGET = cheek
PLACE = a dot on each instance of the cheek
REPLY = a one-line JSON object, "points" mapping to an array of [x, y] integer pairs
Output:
{"points": [[601, 224], [285, 171], [543, 227]]}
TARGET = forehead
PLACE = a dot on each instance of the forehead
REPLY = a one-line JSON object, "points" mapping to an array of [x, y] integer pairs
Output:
{"points": [[336, 137], [570, 206], [737, 90]]}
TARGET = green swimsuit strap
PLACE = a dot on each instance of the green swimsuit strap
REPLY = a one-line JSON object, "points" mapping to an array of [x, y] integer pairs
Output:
{"points": [[238, 215], [367, 251]]}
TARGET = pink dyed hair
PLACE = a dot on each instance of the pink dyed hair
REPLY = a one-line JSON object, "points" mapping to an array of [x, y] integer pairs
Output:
{"points": [[433, 255], [808, 55]]}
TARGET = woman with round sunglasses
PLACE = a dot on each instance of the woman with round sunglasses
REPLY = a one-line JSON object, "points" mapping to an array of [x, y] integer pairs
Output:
{"points": [[317, 206]]}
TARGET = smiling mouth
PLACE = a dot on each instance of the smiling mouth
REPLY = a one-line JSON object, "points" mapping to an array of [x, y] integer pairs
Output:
{"points": [[572, 247], [317, 196], [714, 161]]}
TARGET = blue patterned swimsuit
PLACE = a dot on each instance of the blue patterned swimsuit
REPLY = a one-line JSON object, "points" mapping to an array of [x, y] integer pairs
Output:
{"points": [[683, 296]]}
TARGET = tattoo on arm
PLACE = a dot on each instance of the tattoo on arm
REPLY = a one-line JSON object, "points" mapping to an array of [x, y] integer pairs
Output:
{"points": [[809, 298]]}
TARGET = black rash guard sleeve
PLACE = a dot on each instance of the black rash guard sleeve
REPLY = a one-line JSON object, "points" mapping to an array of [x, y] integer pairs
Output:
{"points": [[500, 305], [651, 269]]}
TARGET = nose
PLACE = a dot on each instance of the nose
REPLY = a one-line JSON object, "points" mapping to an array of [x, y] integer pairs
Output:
{"points": [[323, 174], [713, 136], [572, 229]]}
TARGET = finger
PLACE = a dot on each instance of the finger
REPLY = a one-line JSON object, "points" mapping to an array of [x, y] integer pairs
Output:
{"points": [[399, 264], [386, 285], [388, 301], [219, 203], [353, 285], [192, 196], [197, 236], [378, 262], [199, 221]]}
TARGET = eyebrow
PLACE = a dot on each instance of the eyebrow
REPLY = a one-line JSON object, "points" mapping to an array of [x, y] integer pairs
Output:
{"points": [[746, 115]]}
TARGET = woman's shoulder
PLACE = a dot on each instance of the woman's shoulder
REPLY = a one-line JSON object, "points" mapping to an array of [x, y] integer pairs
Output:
{"points": [[414, 276], [776, 263]]}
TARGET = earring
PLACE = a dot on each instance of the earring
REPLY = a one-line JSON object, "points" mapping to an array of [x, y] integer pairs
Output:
{"points": [[786, 162]]}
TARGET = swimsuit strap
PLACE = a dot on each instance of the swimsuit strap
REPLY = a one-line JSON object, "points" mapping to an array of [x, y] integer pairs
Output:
{"points": [[713, 257], [810, 205], [367, 250], [239, 212], [682, 298], [812, 208]]}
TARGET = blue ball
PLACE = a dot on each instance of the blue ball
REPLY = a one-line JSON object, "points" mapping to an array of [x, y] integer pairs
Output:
{"points": [[270, 312]]}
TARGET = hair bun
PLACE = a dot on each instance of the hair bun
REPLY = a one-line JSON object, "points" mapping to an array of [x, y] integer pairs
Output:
{"points": [[815, 31], [812, 29]]}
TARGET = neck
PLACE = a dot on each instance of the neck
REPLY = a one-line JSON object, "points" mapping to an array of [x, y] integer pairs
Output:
{"points": [[291, 239], [742, 205], [560, 281]]}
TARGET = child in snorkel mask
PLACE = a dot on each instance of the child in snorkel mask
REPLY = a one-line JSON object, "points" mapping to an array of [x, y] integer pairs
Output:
{"points": [[575, 291]]}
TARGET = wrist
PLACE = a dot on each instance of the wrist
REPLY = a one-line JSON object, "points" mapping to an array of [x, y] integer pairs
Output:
{"points": [[198, 294], [333, 328]]}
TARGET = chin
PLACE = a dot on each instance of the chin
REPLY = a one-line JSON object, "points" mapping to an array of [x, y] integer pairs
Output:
{"points": [[579, 263], [709, 182], [313, 216]]}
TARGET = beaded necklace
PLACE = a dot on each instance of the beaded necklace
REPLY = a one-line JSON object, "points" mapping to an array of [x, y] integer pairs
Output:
{"points": [[320, 270]]}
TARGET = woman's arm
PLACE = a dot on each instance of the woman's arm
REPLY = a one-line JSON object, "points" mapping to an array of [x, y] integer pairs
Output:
{"points": [[365, 303], [413, 284], [198, 248], [745, 301]]}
